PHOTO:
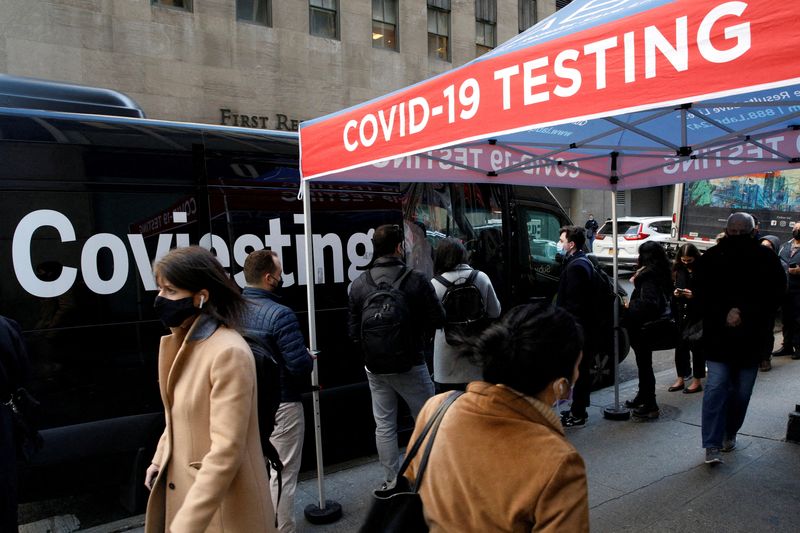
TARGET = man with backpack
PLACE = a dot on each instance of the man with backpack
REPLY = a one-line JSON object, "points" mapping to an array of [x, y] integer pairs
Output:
{"points": [[393, 313], [470, 304], [575, 294], [271, 326]]}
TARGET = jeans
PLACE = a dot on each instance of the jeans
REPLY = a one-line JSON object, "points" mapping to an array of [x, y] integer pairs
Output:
{"points": [[727, 395], [415, 387], [287, 437]]}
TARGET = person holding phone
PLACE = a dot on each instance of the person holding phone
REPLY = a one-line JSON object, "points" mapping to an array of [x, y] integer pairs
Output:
{"points": [[687, 314]]}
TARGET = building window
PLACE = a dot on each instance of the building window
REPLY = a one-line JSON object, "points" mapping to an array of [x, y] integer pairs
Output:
{"points": [[562, 3], [323, 18], [485, 25], [439, 29], [257, 11], [180, 4], [527, 14], [384, 24]]}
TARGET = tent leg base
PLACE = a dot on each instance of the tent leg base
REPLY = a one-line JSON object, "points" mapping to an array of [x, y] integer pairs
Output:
{"points": [[327, 515], [613, 412]]}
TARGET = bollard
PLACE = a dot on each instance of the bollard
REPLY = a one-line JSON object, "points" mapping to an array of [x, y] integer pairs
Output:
{"points": [[793, 426]]}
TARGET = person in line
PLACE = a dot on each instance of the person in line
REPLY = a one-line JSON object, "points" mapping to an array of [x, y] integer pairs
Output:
{"points": [[652, 285], [791, 302], [575, 295], [771, 242], [477, 479], [451, 372], [14, 370], [405, 373], [591, 227], [208, 471], [276, 326], [739, 285], [687, 312]]}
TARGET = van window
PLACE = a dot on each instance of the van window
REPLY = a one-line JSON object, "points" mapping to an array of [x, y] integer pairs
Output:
{"points": [[538, 279], [468, 212]]}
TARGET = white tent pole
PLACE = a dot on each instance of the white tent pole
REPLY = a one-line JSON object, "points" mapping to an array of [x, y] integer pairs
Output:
{"points": [[328, 511], [616, 300]]}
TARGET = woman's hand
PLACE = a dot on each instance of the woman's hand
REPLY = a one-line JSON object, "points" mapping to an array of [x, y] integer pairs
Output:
{"points": [[150, 476]]}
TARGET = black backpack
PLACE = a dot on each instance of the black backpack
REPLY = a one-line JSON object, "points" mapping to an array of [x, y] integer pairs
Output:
{"points": [[386, 329], [268, 386], [603, 298], [465, 310]]}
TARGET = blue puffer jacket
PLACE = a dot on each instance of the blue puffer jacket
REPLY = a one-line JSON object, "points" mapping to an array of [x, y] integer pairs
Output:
{"points": [[277, 326]]}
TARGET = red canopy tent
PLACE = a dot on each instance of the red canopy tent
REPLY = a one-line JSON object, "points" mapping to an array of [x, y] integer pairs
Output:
{"points": [[604, 94]]}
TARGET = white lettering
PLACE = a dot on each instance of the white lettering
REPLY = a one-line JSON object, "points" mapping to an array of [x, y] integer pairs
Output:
{"points": [[739, 32], [567, 73], [21, 253], [505, 74], [678, 55], [119, 269], [349, 146], [599, 49], [530, 81], [413, 125]]}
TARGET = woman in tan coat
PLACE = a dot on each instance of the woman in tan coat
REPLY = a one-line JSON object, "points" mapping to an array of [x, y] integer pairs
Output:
{"points": [[208, 473], [500, 461]]}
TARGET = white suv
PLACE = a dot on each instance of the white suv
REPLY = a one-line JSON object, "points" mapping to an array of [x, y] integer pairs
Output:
{"points": [[632, 232]]}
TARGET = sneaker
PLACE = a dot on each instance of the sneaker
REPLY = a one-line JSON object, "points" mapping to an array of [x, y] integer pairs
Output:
{"points": [[568, 420], [785, 350], [728, 445], [646, 411], [796, 356], [633, 404], [713, 456], [386, 485]]}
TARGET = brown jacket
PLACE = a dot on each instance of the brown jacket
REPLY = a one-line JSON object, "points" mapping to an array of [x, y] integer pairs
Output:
{"points": [[500, 462], [212, 477]]}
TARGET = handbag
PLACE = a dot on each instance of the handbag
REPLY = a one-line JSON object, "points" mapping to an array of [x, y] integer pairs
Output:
{"points": [[692, 332], [399, 509], [661, 333], [24, 414]]}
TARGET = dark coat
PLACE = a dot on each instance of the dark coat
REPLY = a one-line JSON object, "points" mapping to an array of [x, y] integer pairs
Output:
{"points": [[426, 310], [738, 273], [686, 309], [277, 326], [649, 298], [13, 374], [576, 293]]}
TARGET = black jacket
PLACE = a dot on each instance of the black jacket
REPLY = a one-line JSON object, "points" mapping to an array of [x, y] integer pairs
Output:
{"points": [[426, 310], [576, 293], [277, 326], [738, 273], [14, 365], [649, 300]]}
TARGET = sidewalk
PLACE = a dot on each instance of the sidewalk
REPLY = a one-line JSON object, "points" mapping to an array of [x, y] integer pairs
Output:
{"points": [[648, 476]]}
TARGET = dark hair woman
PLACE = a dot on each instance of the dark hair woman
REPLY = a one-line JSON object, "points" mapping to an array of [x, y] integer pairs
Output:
{"points": [[686, 313], [208, 463], [652, 285], [530, 361], [450, 370]]}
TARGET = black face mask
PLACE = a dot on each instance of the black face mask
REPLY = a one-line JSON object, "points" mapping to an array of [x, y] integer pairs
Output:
{"points": [[278, 284], [796, 234], [173, 313]]}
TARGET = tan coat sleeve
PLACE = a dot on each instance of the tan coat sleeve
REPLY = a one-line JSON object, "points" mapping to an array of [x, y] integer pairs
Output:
{"points": [[158, 457], [564, 503], [232, 399]]}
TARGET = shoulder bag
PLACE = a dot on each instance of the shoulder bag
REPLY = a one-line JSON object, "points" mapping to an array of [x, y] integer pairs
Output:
{"points": [[661, 333], [399, 509]]}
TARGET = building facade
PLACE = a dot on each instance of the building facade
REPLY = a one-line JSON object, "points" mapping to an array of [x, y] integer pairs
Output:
{"points": [[252, 63]]}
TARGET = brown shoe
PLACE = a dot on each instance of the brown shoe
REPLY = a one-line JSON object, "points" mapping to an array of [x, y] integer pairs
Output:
{"points": [[765, 366]]}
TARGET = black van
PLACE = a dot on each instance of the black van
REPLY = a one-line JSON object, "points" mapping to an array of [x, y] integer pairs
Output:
{"points": [[88, 202]]}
